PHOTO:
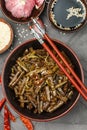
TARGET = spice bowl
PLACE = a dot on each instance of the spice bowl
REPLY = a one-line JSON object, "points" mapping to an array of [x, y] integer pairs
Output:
{"points": [[67, 16], [10, 95]]}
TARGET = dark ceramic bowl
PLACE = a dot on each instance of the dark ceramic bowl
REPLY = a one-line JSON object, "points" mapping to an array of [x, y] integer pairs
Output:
{"points": [[35, 13], [59, 14], [10, 96]]}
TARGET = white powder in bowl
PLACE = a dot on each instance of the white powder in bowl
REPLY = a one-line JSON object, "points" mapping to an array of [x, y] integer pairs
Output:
{"points": [[5, 36]]}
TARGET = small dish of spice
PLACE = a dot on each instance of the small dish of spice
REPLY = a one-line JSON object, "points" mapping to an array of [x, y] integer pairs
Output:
{"points": [[6, 35], [67, 15]]}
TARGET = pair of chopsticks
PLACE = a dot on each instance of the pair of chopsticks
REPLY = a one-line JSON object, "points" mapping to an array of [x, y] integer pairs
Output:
{"points": [[75, 80]]}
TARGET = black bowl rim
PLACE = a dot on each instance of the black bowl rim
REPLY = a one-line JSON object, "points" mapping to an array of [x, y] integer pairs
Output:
{"points": [[42, 120]]}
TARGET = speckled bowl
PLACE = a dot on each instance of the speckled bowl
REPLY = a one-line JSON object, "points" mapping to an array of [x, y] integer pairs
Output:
{"points": [[11, 36], [59, 14], [35, 13], [10, 96]]}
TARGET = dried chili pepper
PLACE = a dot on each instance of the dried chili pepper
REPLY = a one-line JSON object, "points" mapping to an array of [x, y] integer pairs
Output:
{"points": [[27, 123], [0, 79], [6, 119], [11, 116], [2, 102]]}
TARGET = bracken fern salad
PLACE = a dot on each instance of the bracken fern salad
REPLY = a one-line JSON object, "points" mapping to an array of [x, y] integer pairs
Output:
{"points": [[38, 82]]}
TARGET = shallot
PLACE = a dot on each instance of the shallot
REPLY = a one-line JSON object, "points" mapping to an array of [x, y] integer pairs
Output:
{"points": [[22, 8]]}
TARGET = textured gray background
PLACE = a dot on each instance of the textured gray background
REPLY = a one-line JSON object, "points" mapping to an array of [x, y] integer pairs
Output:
{"points": [[77, 118]]}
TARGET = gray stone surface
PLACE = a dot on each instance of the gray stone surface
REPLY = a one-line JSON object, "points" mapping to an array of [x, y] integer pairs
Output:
{"points": [[76, 119]]}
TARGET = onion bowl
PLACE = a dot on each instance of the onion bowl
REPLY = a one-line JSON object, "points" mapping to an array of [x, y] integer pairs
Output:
{"points": [[10, 95], [35, 13]]}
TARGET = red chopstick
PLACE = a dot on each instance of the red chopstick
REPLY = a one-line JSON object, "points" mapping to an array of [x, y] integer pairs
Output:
{"points": [[73, 81], [71, 70]]}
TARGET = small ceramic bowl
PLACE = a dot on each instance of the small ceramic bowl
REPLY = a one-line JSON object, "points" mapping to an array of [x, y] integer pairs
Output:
{"points": [[6, 35], [10, 95], [35, 13], [67, 15]]}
